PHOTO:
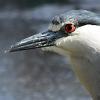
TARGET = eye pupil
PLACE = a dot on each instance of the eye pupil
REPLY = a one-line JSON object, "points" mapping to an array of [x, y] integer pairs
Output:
{"points": [[70, 28]]}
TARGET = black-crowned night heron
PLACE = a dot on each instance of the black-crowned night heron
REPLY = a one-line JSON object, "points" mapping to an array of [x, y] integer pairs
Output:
{"points": [[77, 34]]}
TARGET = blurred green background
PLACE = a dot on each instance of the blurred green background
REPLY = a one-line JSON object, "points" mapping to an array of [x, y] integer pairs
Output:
{"points": [[34, 74]]}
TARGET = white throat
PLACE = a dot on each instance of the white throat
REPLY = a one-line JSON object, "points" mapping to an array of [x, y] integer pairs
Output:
{"points": [[83, 47]]}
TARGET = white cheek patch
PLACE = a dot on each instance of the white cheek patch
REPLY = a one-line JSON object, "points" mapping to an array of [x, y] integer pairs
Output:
{"points": [[55, 28], [56, 50]]}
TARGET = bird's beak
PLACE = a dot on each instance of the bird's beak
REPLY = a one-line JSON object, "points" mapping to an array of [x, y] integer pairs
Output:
{"points": [[36, 41]]}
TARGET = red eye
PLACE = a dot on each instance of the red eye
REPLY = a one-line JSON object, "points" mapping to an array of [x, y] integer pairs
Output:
{"points": [[70, 28]]}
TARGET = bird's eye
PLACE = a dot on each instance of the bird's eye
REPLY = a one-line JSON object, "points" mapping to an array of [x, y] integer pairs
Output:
{"points": [[69, 28]]}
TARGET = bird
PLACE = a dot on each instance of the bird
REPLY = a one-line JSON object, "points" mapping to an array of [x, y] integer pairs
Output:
{"points": [[74, 34]]}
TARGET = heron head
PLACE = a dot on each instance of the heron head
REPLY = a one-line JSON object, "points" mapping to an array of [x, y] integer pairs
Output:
{"points": [[61, 33]]}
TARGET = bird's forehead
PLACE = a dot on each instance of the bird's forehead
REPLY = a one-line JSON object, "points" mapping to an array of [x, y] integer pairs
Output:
{"points": [[71, 19], [74, 16], [61, 20], [77, 17], [64, 18], [57, 20]]}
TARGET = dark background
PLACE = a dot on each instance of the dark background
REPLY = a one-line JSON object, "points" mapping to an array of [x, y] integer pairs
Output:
{"points": [[34, 74]]}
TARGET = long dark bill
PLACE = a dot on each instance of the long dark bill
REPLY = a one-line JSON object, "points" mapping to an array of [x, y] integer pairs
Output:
{"points": [[36, 41]]}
